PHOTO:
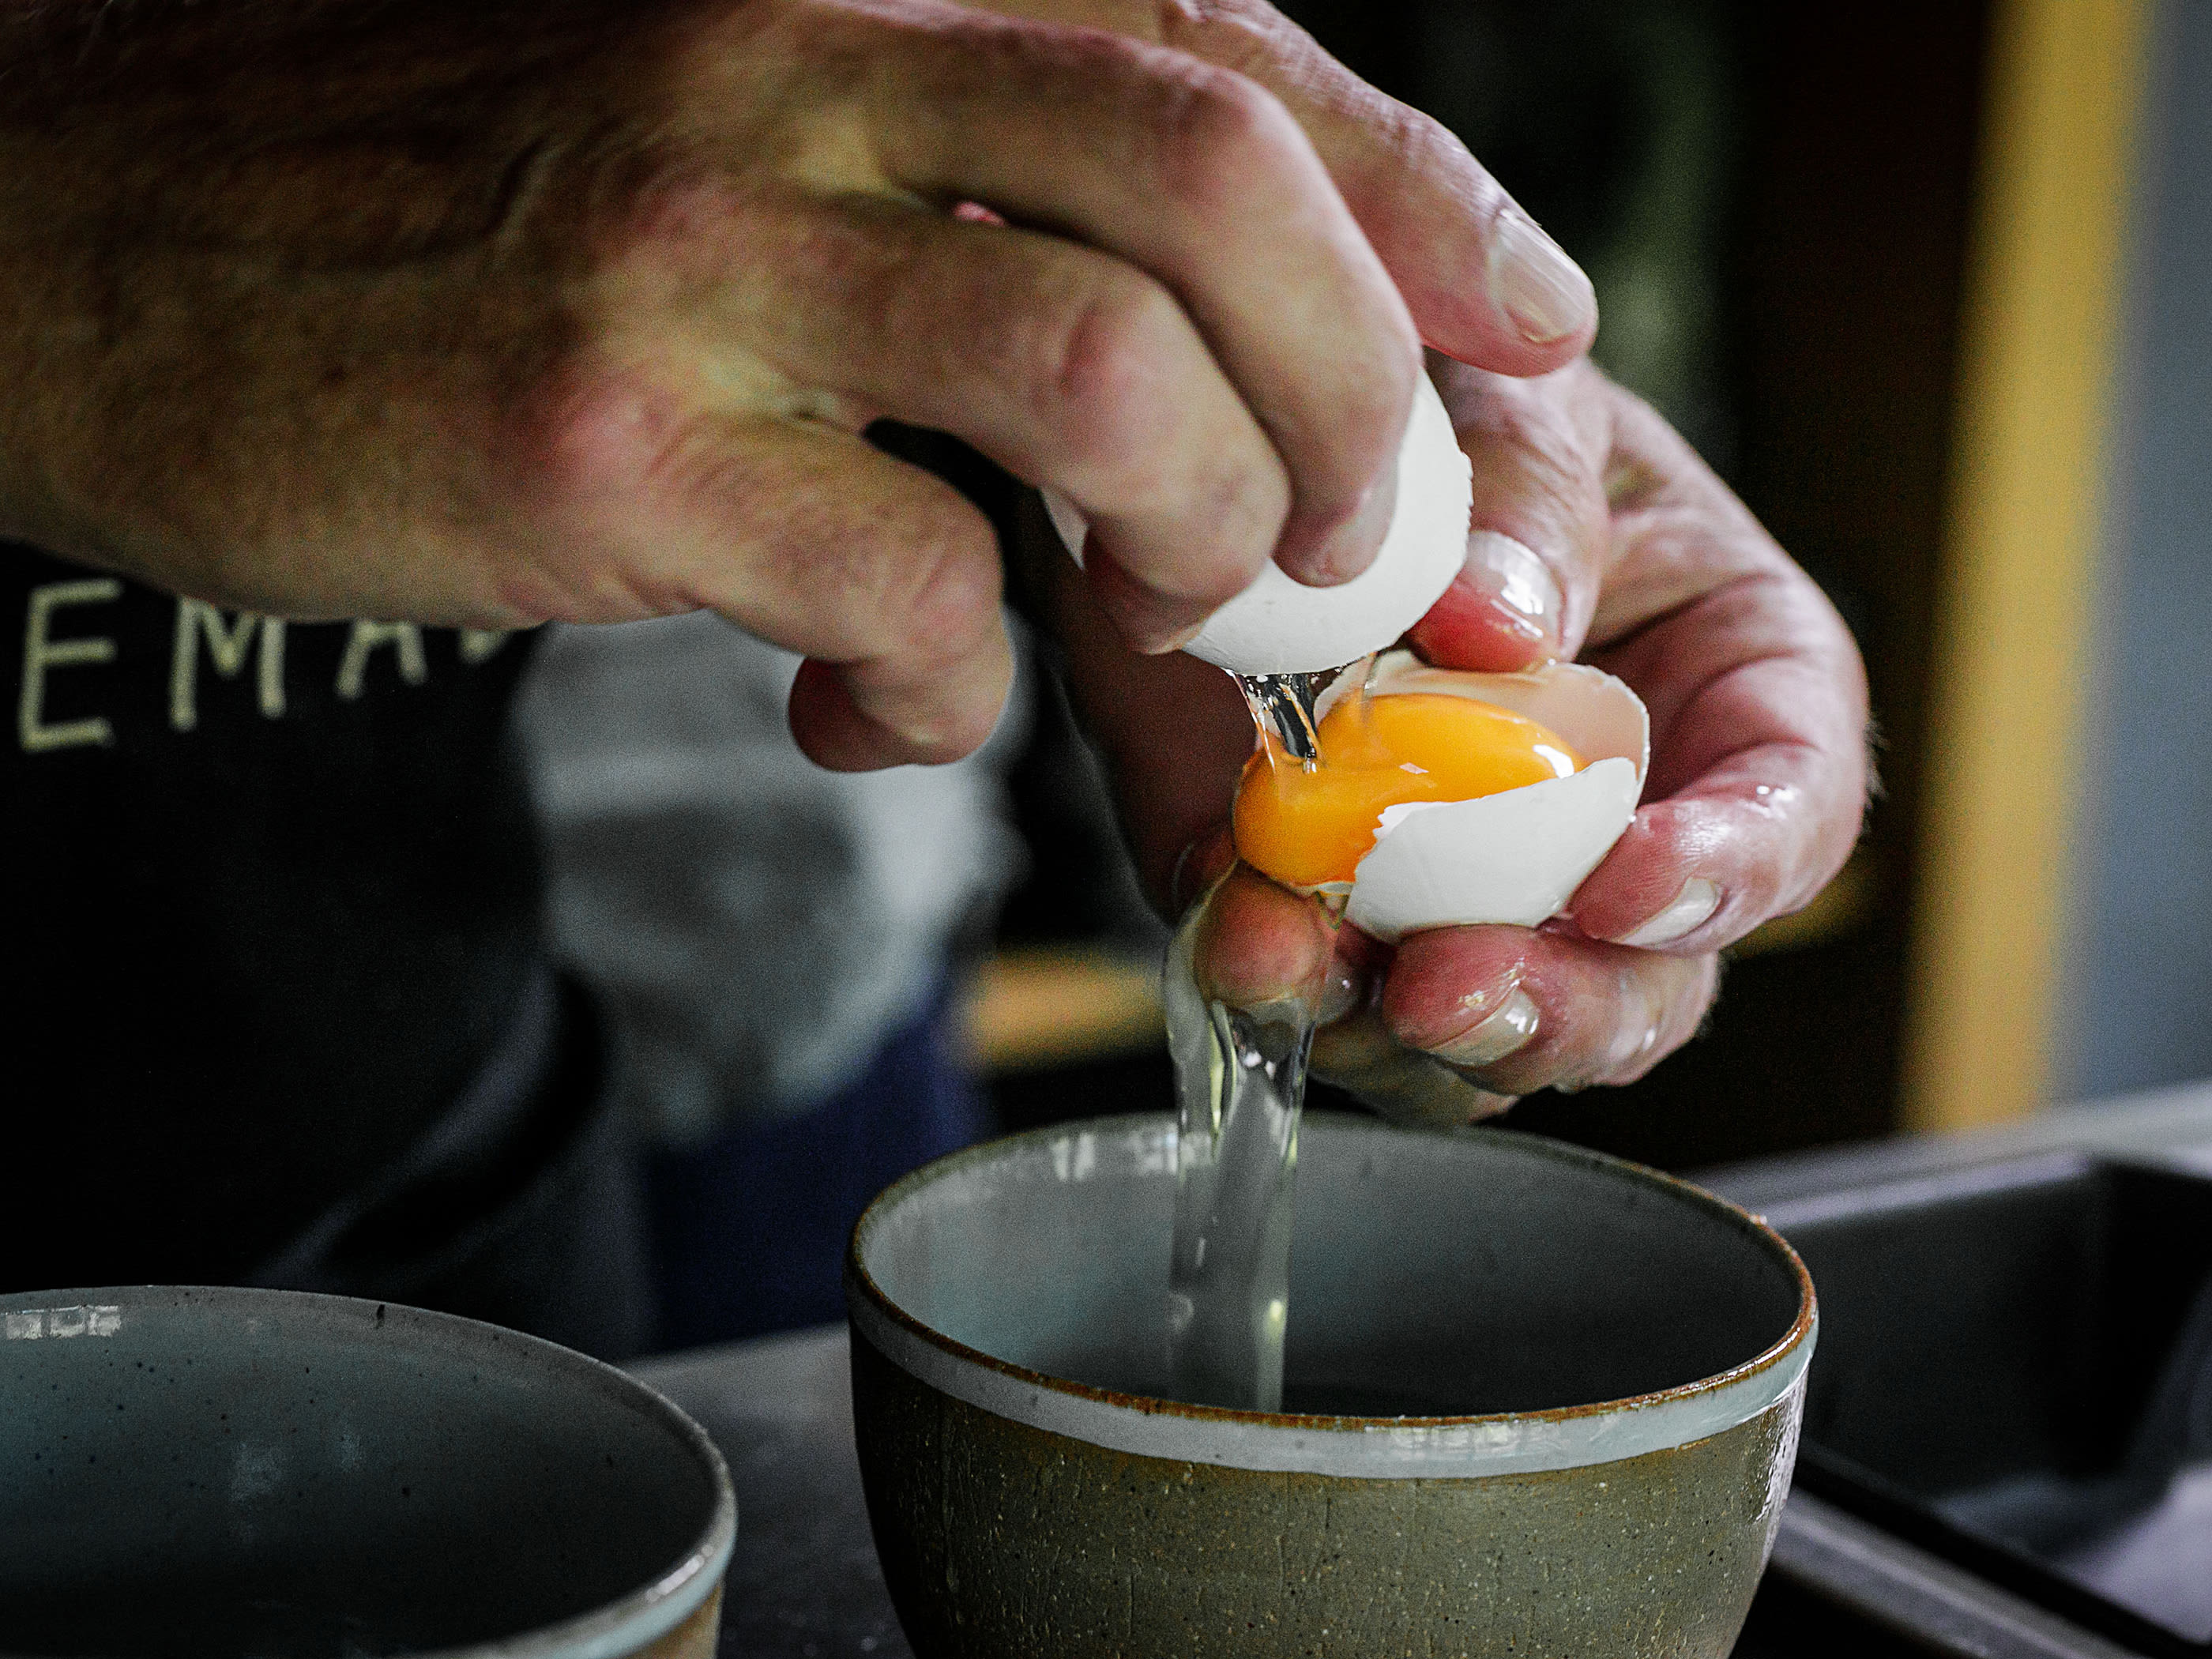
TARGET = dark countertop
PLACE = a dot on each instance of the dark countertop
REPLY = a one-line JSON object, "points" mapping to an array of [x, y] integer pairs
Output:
{"points": [[804, 1584]]}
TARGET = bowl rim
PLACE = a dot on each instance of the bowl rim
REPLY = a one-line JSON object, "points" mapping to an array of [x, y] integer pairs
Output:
{"points": [[635, 1620], [1475, 1445]]}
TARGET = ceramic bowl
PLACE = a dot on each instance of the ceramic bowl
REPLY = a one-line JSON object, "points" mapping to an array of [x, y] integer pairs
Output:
{"points": [[265, 1472], [1543, 1402]]}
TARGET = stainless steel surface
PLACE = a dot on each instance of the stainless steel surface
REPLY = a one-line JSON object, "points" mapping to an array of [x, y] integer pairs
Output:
{"points": [[2161, 1125]]}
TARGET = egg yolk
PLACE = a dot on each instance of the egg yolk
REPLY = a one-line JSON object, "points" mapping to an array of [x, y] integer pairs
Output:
{"points": [[1304, 828]]}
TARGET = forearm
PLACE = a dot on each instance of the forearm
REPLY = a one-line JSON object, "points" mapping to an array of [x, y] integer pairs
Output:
{"points": [[259, 270], [495, 312]]}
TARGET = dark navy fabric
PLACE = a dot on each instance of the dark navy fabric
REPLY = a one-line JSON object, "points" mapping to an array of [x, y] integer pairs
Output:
{"points": [[274, 998], [271, 896], [522, 1207], [749, 1230]]}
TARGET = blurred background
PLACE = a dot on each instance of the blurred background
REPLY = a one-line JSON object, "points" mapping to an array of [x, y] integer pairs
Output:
{"points": [[1925, 282]]}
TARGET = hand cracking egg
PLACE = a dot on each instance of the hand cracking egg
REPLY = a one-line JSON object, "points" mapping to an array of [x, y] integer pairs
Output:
{"points": [[1445, 799], [1441, 798], [1278, 626]]}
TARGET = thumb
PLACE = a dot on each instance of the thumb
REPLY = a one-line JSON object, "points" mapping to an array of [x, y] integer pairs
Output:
{"points": [[1541, 533]]}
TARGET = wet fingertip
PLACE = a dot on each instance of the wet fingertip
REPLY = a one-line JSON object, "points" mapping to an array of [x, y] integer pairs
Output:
{"points": [[1344, 989], [1260, 942], [1198, 868], [1505, 612]]}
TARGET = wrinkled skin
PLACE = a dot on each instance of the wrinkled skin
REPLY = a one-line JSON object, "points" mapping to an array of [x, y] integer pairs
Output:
{"points": [[500, 313], [1648, 566]]}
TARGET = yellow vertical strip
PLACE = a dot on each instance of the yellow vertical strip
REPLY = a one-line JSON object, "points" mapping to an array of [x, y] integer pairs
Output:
{"points": [[2038, 339]]}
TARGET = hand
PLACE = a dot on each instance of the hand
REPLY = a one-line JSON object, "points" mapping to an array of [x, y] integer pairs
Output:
{"points": [[497, 313], [1638, 559]]}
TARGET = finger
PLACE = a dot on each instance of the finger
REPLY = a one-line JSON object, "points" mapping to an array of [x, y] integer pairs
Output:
{"points": [[1069, 368], [1483, 282], [1539, 535], [1516, 1010], [1358, 1054], [1175, 730], [1259, 943], [802, 535], [1199, 176], [1771, 811], [1758, 703]]}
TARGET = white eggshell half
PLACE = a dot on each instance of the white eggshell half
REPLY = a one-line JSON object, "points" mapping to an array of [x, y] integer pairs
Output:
{"points": [[1279, 626], [1516, 856]]}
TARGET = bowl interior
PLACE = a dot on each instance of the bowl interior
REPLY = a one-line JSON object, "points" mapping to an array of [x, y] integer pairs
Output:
{"points": [[1431, 1275], [253, 1472]]}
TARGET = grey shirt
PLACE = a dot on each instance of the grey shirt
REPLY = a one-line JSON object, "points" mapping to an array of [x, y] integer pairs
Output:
{"points": [[757, 924]]}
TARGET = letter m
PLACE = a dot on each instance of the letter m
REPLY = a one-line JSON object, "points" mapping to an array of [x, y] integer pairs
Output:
{"points": [[226, 645]]}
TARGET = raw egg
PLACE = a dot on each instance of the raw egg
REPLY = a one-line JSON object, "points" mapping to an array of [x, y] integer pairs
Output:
{"points": [[1309, 827], [1437, 816]]}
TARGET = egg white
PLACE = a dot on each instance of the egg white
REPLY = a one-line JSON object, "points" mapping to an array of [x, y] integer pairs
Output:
{"points": [[1279, 626], [1518, 855]]}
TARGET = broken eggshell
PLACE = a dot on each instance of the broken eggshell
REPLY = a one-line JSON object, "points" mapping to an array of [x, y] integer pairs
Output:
{"points": [[1516, 856], [1279, 626]]}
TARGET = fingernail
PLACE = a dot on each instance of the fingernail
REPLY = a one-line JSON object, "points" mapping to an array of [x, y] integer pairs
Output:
{"points": [[1533, 282], [1636, 1030], [1499, 1033], [1688, 910], [1521, 584], [1342, 990]]}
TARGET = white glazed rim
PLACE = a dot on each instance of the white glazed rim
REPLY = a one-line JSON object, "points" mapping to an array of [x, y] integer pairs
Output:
{"points": [[636, 1620], [1402, 1447]]}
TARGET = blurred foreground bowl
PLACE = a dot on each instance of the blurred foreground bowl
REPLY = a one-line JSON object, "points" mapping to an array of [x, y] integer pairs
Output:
{"points": [[235, 1471], [1543, 1402]]}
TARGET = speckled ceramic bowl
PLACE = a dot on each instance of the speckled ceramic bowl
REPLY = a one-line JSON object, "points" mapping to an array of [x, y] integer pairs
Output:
{"points": [[216, 1472], [1602, 1369]]}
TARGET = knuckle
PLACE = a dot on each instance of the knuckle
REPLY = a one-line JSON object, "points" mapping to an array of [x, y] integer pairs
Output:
{"points": [[917, 590], [1238, 517], [580, 438], [1102, 360], [1214, 133], [1106, 363], [953, 605]]}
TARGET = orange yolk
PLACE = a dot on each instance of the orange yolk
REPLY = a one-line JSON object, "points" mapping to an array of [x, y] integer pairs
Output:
{"points": [[1304, 828]]}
